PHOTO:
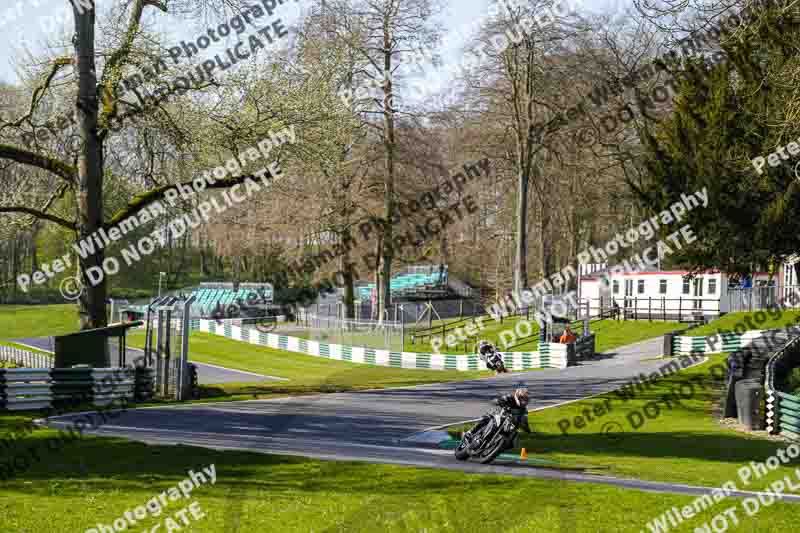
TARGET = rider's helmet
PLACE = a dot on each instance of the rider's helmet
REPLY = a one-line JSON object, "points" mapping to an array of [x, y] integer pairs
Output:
{"points": [[485, 349], [521, 395]]}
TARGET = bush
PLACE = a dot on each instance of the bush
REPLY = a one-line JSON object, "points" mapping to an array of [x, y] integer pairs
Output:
{"points": [[129, 294], [793, 382]]}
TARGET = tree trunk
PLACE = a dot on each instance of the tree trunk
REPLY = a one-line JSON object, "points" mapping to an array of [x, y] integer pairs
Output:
{"points": [[521, 251], [33, 250], [546, 238], [389, 144], [349, 291], [92, 305], [378, 277], [15, 267]]}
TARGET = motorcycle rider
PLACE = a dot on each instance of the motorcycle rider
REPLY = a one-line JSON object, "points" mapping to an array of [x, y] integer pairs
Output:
{"points": [[515, 407], [517, 404], [489, 354]]}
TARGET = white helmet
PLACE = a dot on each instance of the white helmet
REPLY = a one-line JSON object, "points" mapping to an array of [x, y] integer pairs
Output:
{"points": [[485, 349]]}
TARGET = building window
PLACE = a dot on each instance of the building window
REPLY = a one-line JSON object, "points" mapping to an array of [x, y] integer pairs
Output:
{"points": [[686, 289], [616, 287], [662, 286], [712, 286], [641, 286]]}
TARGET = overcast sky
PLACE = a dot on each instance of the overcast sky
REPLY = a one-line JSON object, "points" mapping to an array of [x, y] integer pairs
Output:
{"points": [[42, 18]]}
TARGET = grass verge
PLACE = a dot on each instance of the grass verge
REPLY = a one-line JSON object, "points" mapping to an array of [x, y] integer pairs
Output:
{"points": [[105, 477], [20, 321], [615, 333], [306, 373], [768, 319], [680, 443]]}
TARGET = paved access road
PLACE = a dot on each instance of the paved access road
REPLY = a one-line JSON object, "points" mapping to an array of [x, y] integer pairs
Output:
{"points": [[384, 426], [206, 374]]}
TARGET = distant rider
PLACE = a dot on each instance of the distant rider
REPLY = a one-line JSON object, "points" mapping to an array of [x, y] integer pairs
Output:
{"points": [[489, 355]]}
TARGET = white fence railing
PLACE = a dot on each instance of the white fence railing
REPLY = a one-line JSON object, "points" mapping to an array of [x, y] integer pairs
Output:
{"points": [[24, 358]]}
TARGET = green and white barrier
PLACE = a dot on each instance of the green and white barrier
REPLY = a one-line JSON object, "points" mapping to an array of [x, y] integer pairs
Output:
{"points": [[723, 343], [371, 356]]}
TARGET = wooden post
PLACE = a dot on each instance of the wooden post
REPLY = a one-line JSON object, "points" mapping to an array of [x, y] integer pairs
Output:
{"points": [[680, 308], [650, 308], [635, 307]]}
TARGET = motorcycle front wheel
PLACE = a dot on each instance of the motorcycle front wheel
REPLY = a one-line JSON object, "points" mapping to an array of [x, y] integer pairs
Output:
{"points": [[461, 451]]}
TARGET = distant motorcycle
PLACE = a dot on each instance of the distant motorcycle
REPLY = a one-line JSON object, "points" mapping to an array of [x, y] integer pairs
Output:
{"points": [[494, 433], [494, 361]]}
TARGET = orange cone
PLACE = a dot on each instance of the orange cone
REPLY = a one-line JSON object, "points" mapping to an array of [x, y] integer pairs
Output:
{"points": [[523, 454]]}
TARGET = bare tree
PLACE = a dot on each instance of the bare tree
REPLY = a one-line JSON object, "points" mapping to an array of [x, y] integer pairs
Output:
{"points": [[382, 33], [86, 173]]}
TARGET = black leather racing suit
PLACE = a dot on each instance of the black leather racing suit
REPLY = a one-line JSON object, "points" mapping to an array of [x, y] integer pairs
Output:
{"points": [[520, 415]]}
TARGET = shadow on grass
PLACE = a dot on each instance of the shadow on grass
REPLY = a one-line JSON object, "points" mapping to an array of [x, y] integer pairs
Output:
{"points": [[110, 465], [673, 445]]}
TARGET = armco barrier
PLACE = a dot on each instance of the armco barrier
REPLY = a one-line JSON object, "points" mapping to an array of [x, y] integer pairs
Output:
{"points": [[25, 388], [726, 343], [370, 356], [31, 388]]}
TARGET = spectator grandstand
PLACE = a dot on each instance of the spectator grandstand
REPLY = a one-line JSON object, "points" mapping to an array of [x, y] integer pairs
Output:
{"points": [[212, 299], [211, 296], [413, 281]]}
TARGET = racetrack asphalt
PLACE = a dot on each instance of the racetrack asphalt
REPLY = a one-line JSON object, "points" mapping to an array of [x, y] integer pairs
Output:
{"points": [[383, 426], [206, 374]]}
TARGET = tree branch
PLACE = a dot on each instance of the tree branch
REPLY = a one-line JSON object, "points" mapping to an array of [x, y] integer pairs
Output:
{"points": [[26, 157], [112, 75], [141, 201], [40, 215], [38, 92]]}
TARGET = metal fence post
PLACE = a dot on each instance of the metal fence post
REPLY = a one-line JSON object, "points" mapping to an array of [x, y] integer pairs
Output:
{"points": [[402, 329], [184, 360]]}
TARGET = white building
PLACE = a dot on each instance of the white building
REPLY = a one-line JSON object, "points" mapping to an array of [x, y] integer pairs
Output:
{"points": [[670, 294]]}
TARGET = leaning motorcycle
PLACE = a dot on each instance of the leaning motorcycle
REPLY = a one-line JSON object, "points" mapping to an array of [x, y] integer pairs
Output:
{"points": [[488, 438], [494, 362]]}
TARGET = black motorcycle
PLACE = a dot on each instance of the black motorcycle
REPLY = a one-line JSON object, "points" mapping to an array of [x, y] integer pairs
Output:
{"points": [[494, 362], [488, 438]]}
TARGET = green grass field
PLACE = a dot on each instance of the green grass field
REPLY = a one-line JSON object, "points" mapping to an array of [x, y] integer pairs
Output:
{"points": [[610, 334], [18, 321], [490, 332], [615, 333], [104, 477], [681, 444], [97, 479], [767, 319], [306, 373]]}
